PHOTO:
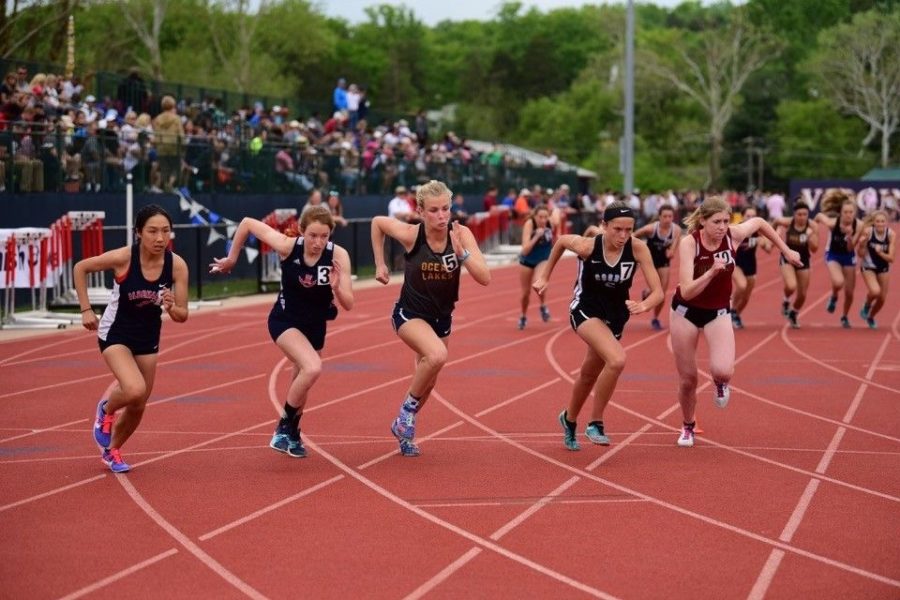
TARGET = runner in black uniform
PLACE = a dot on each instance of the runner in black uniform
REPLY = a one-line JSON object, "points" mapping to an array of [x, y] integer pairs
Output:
{"points": [[435, 254], [802, 236], [149, 278], [600, 309], [662, 238], [314, 272], [839, 215], [876, 245], [744, 275]]}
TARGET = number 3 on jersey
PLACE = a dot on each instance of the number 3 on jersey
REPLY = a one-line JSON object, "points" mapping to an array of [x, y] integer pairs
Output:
{"points": [[324, 276]]}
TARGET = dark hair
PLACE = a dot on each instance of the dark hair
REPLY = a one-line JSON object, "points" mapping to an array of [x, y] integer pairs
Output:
{"points": [[801, 206], [151, 210], [666, 207]]}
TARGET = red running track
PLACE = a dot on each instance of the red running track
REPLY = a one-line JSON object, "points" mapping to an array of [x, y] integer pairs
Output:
{"points": [[793, 491]]}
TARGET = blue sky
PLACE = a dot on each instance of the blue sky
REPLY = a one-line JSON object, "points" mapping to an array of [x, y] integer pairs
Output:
{"points": [[434, 11]]}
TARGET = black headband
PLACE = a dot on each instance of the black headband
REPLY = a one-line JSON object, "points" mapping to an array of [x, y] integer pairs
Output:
{"points": [[614, 213]]}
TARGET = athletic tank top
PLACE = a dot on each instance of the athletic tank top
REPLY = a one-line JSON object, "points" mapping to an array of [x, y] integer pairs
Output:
{"points": [[603, 287], [305, 293], [134, 309], [431, 282], [872, 259], [717, 293], [748, 246], [837, 240], [798, 240], [659, 244], [542, 247]]}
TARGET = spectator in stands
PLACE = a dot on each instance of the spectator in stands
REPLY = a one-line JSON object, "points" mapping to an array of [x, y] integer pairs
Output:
{"points": [[339, 97], [421, 128], [509, 200], [550, 159], [8, 88], [398, 207], [169, 142], [336, 208], [353, 98], [490, 198], [315, 199], [22, 83], [132, 92], [775, 206], [458, 209]]}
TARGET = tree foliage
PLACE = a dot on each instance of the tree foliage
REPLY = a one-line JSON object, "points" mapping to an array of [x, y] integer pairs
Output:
{"points": [[708, 79]]}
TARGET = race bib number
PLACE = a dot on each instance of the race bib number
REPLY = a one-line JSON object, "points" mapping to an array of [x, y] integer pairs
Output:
{"points": [[324, 277], [451, 262]]}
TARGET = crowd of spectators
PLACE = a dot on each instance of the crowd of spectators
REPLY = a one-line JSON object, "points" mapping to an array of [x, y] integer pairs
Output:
{"points": [[54, 136]]}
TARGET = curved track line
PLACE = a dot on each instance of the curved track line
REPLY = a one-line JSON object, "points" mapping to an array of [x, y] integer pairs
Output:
{"points": [[673, 507], [213, 565], [350, 471], [98, 585], [711, 441]]}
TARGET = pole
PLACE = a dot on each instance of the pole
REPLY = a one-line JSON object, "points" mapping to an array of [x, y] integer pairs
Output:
{"points": [[628, 183], [129, 210]]}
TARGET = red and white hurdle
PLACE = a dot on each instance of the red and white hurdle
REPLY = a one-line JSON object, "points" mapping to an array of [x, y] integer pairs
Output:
{"points": [[282, 219]]}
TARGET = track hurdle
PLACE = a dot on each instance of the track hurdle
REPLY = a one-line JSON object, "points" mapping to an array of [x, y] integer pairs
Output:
{"points": [[282, 219]]}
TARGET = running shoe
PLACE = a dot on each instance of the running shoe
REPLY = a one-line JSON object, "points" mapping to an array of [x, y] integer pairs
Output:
{"points": [[522, 322], [785, 307], [686, 439], [864, 312], [545, 313], [736, 321], [723, 394], [845, 322], [871, 323], [656, 325], [594, 432], [286, 439], [832, 304], [407, 446], [792, 318], [103, 426], [404, 426], [568, 433], [112, 459]]}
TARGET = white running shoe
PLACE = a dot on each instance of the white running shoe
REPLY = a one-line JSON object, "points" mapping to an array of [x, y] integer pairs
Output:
{"points": [[686, 439], [723, 394]]}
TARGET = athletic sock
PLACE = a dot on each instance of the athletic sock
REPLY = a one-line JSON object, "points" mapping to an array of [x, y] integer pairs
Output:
{"points": [[290, 412], [411, 404], [569, 424], [689, 425]]}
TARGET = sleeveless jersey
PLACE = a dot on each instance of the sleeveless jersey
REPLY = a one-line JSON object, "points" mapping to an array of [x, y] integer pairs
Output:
{"points": [[134, 310], [872, 260], [837, 241], [798, 240], [717, 293], [431, 282], [541, 249], [659, 244], [602, 288], [305, 294]]}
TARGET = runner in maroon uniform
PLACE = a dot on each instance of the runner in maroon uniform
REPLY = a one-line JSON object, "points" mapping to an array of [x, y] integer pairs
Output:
{"points": [[702, 299]]}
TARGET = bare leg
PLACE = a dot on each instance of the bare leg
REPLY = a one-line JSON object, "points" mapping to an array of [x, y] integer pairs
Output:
{"points": [[684, 346], [135, 376], [307, 366]]}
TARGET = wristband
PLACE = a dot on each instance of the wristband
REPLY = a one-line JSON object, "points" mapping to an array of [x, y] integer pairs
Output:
{"points": [[464, 257], [84, 310]]}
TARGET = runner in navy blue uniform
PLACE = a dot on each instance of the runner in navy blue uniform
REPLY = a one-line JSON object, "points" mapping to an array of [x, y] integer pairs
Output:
{"points": [[876, 246], [802, 235], [436, 252], [839, 216], [537, 240], [701, 302], [744, 275], [148, 278], [599, 310], [314, 272], [662, 237]]}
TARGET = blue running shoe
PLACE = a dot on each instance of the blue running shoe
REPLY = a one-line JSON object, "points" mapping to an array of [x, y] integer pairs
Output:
{"points": [[871, 323], [545, 313], [568, 433], [845, 322], [864, 312], [404, 426], [407, 446], [103, 426], [832, 304], [522, 322], [656, 325], [785, 307], [594, 432], [286, 439], [112, 459]]}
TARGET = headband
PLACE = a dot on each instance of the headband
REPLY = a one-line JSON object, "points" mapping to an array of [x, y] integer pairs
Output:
{"points": [[614, 213]]}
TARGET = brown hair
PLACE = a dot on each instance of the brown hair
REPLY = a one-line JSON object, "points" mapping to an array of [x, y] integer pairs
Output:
{"points": [[710, 206], [834, 199], [319, 214]]}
